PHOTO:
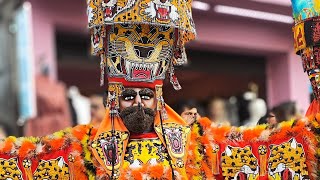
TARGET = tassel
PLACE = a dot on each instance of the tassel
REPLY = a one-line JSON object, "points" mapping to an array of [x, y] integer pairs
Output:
{"points": [[215, 160], [71, 167], [102, 69], [114, 93], [174, 81], [27, 169], [179, 52], [263, 160], [173, 78], [160, 102], [314, 75]]}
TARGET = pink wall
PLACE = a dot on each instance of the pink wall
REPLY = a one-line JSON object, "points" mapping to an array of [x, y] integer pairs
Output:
{"points": [[47, 17], [44, 45], [243, 35], [299, 82], [278, 79], [285, 78]]}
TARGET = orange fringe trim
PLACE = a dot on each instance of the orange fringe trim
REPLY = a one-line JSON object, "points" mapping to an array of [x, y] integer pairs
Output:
{"points": [[201, 163], [146, 171], [8, 144], [26, 147]]}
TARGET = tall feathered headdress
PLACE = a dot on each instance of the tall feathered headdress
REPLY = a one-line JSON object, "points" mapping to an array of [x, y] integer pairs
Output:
{"points": [[306, 31]]}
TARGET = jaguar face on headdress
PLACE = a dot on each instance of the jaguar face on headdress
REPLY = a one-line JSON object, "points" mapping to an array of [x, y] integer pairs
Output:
{"points": [[162, 11], [112, 8], [139, 52], [104, 11], [109, 7]]}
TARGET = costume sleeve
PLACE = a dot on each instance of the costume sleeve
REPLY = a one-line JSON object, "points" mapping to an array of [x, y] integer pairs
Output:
{"points": [[288, 150], [62, 155]]}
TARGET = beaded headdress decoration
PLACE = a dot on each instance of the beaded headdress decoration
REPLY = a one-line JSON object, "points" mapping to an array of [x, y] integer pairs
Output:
{"points": [[306, 33]]}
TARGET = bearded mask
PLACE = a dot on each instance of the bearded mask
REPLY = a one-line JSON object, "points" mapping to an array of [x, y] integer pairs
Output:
{"points": [[138, 119]]}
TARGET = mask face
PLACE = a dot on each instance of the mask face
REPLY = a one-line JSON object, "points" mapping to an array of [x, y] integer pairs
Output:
{"points": [[139, 52], [135, 96]]}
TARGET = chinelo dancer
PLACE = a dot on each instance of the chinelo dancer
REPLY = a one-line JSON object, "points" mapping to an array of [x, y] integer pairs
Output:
{"points": [[139, 43]]}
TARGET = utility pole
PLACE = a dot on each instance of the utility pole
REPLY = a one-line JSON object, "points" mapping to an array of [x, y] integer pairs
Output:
{"points": [[8, 58]]}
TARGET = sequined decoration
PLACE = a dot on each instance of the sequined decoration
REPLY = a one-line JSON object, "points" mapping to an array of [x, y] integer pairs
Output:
{"points": [[173, 78], [114, 93], [27, 168], [316, 31], [263, 159], [314, 76], [160, 102], [102, 69], [308, 59], [180, 56]]}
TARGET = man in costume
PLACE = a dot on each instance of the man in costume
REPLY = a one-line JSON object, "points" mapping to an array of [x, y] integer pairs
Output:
{"points": [[139, 42], [143, 138]]}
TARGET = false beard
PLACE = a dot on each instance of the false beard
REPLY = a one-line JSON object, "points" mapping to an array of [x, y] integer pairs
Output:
{"points": [[138, 119]]}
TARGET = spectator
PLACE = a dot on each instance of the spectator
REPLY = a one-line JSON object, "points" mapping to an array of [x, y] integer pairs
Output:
{"points": [[286, 111], [217, 111], [97, 109], [269, 118], [189, 111]]}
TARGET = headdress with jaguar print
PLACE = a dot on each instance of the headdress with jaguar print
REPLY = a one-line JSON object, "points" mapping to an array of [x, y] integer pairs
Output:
{"points": [[306, 32], [139, 43]]}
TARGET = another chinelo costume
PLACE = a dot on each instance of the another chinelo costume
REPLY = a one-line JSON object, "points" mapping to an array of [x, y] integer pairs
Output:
{"points": [[139, 42]]}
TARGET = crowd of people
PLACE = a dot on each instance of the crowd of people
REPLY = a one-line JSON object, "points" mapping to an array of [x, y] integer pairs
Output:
{"points": [[235, 111], [217, 111]]}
